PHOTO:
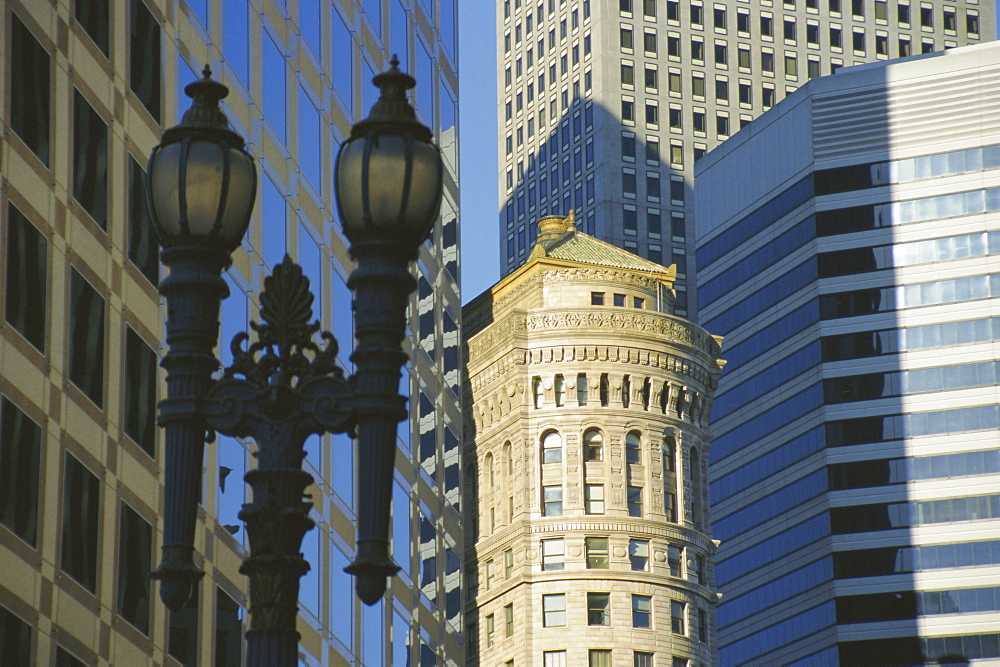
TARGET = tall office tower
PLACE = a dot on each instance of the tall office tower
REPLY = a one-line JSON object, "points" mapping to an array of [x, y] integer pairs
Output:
{"points": [[847, 250], [604, 106], [88, 87], [585, 453]]}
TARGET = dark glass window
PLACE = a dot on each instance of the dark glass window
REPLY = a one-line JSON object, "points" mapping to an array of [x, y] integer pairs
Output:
{"points": [[642, 611], [677, 191], [92, 15], [853, 304], [135, 555], [80, 523], [20, 444], [142, 245], [856, 388], [140, 392], [182, 632], [90, 160], [228, 630], [845, 220], [846, 432], [15, 638], [628, 221], [66, 659], [86, 338], [144, 64], [27, 269], [855, 345], [598, 609], [628, 147], [29, 89], [877, 607]]}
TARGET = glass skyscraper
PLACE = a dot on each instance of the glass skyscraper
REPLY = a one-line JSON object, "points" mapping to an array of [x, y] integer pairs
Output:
{"points": [[847, 250], [606, 105], [89, 87]]}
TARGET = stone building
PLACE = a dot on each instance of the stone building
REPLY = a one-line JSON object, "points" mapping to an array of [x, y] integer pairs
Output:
{"points": [[585, 462]]}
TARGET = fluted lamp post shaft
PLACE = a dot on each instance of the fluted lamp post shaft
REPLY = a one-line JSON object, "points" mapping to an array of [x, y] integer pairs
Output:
{"points": [[286, 385]]}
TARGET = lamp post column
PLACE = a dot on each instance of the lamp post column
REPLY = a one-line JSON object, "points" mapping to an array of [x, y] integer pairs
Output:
{"points": [[382, 283], [193, 291]]}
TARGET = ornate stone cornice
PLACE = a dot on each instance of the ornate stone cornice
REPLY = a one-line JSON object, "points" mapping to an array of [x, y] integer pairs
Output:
{"points": [[644, 322], [641, 322], [602, 275]]}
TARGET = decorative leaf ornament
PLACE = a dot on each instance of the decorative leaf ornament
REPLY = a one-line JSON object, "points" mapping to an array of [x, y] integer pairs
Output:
{"points": [[288, 352]]}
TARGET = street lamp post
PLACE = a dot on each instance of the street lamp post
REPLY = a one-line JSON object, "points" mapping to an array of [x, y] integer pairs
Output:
{"points": [[284, 387]]}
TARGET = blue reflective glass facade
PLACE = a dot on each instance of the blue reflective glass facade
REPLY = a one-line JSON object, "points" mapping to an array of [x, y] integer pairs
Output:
{"points": [[857, 415]]}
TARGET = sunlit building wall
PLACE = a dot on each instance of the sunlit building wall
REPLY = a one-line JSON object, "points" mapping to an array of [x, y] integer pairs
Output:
{"points": [[586, 450], [604, 107], [847, 248], [88, 87]]}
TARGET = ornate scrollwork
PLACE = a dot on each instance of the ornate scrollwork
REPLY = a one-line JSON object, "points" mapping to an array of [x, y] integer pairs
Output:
{"points": [[288, 351]]}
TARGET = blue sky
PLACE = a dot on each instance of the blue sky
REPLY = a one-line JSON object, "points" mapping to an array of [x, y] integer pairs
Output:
{"points": [[478, 145]]}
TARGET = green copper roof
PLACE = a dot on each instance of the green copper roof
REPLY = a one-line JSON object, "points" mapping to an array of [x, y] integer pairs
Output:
{"points": [[576, 246]]}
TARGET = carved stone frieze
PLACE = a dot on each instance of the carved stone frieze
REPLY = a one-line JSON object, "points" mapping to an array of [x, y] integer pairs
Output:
{"points": [[654, 324], [609, 275]]}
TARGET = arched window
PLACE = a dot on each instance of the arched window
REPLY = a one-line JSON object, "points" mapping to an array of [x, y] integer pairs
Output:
{"points": [[593, 445], [508, 461], [551, 447], [537, 391], [669, 454], [490, 473], [560, 386], [633, 447]]}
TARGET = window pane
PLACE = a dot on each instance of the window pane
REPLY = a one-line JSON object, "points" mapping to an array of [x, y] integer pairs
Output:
{"points": [[86, 344], [182, 631], [16, 636], [27, 269], [135, 555], [66, 659], [80, 523], [143, 249], [554, 610], [29, 88], [641, 608], [638, 553], [90, 160], [20, 444], [140, 392], [144, 63], [597, 552], [552, 447], [228, 630]]}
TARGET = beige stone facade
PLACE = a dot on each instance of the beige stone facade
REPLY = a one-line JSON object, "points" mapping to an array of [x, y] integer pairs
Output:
{"points": [[585, 454]]}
